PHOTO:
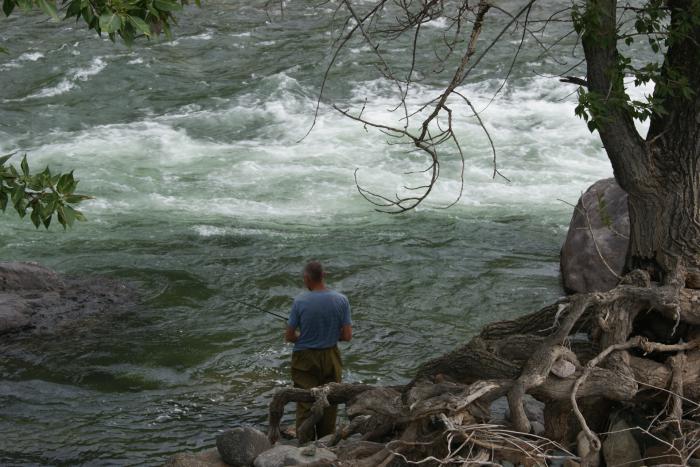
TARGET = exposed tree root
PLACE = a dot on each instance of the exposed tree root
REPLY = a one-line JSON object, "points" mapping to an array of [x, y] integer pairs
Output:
{"points": [[581, 356]]}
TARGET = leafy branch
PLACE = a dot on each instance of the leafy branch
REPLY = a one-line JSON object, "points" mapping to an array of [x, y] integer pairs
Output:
{"points": [[43, 195], [127, 19]]}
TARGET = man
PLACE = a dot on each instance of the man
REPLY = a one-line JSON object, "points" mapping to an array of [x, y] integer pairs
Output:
{"points": [[318, 320]]}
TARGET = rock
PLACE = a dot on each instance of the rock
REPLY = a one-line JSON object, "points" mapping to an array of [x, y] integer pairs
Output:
{"points": [[620, 447], [325, 441], [241, 445], [499, 411], [281, 455], [537, 428], [563, 368], [13, 313], [35, 299], [208, 458], [582, 268], [27, 276], [534, 409]]}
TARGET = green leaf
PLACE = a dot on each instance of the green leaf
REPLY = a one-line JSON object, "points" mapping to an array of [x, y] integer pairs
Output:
{"points": [[21, 208], [79, 216], [47, 222], [69, 215], [75, 199], [25, 166], [61, 217], [6, 158], [7, 7], [140, 25], [167, 5], [3, 50], [49, 8], [66, 184], [110, 22], [36, 219], [3, 200], [17, 195]]}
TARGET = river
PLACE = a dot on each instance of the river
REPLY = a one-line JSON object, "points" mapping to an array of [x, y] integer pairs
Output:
{"points": [[203, 196]]}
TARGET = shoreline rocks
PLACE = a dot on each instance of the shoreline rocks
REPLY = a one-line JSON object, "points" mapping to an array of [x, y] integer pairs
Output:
{"points": [[36, 300], [241, 445]]}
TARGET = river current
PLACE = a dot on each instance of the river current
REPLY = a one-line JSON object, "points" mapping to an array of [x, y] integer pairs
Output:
{"points": [[204, 196]]}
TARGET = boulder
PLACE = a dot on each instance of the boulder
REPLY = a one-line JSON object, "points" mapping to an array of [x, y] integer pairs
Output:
{"points": [[240, 446], [620, 446], [208, 458], [16, 276], [601, 211], [281, 456], [14, 314], [36, 299]]}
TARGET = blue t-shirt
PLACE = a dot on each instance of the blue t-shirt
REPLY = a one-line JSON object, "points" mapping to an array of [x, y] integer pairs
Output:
{"points": [[319, 316]]}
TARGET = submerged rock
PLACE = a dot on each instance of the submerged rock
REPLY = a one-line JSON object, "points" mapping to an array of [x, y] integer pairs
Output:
{"points": [[16, 276], [208, 458], [240, 446], [281, 455], [603, 211], [36, 299]]}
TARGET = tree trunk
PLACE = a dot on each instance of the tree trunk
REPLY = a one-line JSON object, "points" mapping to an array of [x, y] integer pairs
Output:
{"points": [[665, 228], [660, 173]]}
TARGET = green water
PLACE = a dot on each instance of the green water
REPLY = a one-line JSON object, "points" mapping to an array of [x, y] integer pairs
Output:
{"points": [[203, 196]]}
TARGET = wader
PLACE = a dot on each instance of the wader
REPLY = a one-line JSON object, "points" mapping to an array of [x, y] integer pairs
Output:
{"points": [[312, 368]]}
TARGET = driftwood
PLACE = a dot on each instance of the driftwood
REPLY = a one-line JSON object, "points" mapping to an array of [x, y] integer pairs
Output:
{"points": [[635, 348]]}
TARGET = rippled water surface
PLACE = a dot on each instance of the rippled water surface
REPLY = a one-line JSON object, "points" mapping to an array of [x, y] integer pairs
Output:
{"points": [[204, 196]]}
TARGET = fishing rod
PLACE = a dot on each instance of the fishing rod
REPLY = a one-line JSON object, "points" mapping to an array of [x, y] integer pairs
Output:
{"points": [[260, 309]]}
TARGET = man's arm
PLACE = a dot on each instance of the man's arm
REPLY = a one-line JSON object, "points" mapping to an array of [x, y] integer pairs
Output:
{"points": [[290, 334], [346, 333]]}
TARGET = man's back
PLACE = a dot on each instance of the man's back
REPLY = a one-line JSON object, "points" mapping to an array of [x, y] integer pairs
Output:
{"points": [[319, 315]]}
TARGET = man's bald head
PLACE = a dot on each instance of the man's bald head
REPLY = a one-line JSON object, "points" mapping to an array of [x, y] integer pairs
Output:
{"points": [[314, 271]]}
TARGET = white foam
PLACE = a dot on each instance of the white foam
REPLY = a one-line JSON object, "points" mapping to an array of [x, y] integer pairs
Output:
{"points": [[77, 74], [209, 231], [25, 57], [543, 148], [30, 56], [206, 36]]}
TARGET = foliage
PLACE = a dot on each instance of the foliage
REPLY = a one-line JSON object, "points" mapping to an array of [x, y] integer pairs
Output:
{"points": [[127, 19], [653, 25], [44, 194]]}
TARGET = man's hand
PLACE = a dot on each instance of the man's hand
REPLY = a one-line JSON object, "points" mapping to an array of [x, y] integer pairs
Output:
{"points": [[290, 334], [346, 333]]}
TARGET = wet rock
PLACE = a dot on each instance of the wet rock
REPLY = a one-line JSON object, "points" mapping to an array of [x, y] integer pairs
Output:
{"points": [[37, 300], [604, 205], [13, 313], [208, 458], [280, 456], [240, 446], [620, 447], [16, 276]]}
